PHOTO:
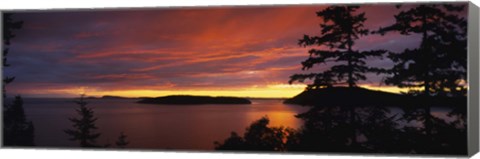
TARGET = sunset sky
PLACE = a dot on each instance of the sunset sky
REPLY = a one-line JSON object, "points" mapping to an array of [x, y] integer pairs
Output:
{"points": [[219, 51]]}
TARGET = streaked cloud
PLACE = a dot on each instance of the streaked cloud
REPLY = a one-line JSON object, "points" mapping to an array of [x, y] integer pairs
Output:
{"points": [[234, 50]]}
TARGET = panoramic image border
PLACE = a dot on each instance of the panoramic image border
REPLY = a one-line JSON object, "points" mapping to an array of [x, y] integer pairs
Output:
{"points": [[312, 81]]}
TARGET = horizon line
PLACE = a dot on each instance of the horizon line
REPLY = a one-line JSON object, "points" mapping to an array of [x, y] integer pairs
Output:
{"points": [[112, 94]]}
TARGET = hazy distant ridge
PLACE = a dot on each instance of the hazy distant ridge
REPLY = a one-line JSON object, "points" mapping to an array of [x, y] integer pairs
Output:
{"points": [[187, 100]]}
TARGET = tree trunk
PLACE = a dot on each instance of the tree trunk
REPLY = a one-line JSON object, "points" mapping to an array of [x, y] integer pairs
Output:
{"points": [[351, 84], [427, 52]]}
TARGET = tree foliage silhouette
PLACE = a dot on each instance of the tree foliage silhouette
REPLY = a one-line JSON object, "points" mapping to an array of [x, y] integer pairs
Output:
{"points": [[325, 129], [336, 126], [84, 126], [258, 137], [381, 130], [122, 141], [16, 129], [340, 28], [342, 25], [329, 129], [438, 65]]}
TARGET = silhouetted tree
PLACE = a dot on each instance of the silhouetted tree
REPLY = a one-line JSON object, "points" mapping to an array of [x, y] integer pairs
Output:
{"points": [[8, 25], [234, 142], [381, 131], [438, 65], [341, 27], [122, 141], [17, 131], [328, 129], [325, 129], [84, 126], [440, 62], [258, 137]]}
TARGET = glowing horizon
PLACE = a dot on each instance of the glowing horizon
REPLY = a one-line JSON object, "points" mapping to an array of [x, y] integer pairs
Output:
{"points": [[271, 91]]}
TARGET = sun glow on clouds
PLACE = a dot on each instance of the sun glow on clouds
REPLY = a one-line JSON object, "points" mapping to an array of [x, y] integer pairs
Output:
{"points": [[224, 51]]}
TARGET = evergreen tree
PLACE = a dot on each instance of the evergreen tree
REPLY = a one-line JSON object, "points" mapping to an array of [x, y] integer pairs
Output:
{"points": [[234, 142], [325, 129], [8, 26], [341, 26], [122, 141], [328, 129], [381, 131], [84, 126], [258, 137], [438, 65], [17, 131]]}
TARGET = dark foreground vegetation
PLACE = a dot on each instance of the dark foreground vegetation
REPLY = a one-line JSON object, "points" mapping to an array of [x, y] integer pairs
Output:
{"points": [[370, 129], [84, 128], [192, 100], [17, 129]]}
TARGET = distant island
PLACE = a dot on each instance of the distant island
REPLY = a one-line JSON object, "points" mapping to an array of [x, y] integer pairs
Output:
{"points": [[194, 100], [113, 97], [357, 96]]}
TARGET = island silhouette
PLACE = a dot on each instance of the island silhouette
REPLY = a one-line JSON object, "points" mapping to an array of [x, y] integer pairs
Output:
{"points": [[191, 100]]}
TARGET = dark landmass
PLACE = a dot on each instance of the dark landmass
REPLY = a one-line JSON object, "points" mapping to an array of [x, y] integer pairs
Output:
{"points": [[254, 98], [109, 97], [193, 100], [116, 97], [344, 96]]}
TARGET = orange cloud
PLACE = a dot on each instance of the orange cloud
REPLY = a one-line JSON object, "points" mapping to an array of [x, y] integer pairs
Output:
{"points": [[238, 51]]}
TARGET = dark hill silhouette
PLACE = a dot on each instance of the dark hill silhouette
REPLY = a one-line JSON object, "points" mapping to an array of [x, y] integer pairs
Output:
{"points": [[356, 96], [187, 99], [111, 97], [115, 97]]}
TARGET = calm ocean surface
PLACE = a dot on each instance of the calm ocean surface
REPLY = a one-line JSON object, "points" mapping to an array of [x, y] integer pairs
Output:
{"points": [[181, 127], [156, 126]]}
